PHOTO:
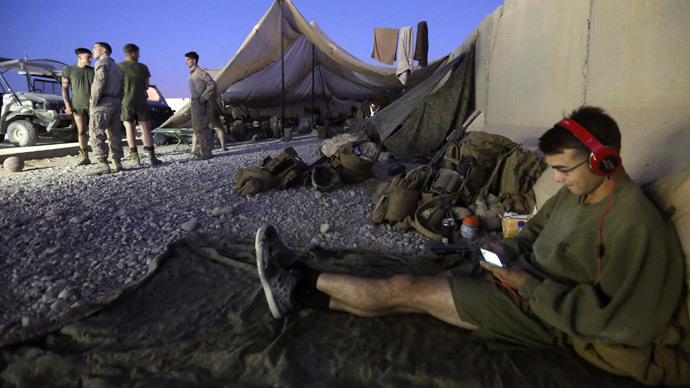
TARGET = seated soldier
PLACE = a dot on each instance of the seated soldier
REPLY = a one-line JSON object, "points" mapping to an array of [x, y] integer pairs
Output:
{"points": [[596, 265]]}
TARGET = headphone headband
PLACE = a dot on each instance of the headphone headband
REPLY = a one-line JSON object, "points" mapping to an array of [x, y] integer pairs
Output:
{"points": [[603, 160]]}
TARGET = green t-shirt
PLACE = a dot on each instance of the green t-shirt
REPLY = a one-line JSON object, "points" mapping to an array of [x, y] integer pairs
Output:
{"points": [[80, 79], [136, 75]]}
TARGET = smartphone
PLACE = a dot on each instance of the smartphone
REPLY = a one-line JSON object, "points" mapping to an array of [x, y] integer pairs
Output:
{"points": [[491, 257]]}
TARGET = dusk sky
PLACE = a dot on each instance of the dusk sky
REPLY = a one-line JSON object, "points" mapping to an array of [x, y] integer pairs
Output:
{"points": [[166, 30]]}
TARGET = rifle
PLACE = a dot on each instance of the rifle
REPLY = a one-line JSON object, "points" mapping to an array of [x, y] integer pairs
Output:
{"points": [[453, 137]]}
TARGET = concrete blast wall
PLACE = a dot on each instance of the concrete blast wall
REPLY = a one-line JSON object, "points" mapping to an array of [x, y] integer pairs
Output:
{"points": [[540, 59]]}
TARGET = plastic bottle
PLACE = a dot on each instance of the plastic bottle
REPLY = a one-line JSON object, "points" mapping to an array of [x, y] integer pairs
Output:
{"points": [[469, 228]]}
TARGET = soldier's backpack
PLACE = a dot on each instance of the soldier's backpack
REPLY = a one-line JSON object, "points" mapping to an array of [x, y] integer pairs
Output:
{"points": [[512, 180], [284, 167], [272, 172], [253, 181], [403, 194], [487, 164], [475, 157], [352, 167]]}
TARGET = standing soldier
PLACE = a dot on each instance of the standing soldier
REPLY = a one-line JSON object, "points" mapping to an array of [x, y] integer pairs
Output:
{"points": [[106, 107], [216, 118], [202, 88], [134, 107], [215, 122], [80, 78]]}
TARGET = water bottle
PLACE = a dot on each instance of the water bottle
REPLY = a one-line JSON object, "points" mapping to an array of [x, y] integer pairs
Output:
{"points": [[469, 228]]}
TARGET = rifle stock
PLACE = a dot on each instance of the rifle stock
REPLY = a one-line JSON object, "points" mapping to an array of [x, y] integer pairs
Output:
{"points": [[454, 136]]}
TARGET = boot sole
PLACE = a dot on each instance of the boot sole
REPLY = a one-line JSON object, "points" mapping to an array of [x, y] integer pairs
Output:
{"points": [[93, 173], [262, 255]]}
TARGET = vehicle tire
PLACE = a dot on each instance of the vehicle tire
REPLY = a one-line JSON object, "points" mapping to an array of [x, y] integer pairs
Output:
{"points": [[67, 137], [22, 133], [160, 139]]}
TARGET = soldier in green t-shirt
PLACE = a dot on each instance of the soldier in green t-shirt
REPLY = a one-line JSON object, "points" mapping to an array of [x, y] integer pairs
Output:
{"points": [[80, 78], [134, 106]]}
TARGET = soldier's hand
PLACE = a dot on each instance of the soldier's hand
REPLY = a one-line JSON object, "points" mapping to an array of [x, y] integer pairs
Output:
{"points": [[513, 277], [500, 251], [68, 109]]}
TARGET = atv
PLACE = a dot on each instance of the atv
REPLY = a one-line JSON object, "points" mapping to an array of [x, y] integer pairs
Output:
{"points": [[39, 112]]}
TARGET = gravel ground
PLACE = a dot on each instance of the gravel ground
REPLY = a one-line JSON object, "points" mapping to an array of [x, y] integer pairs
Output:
{"points": [[67, 238]]}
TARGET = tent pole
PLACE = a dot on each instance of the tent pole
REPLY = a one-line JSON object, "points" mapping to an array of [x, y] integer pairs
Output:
{"points": [[282, 67], [313, 124], [325, 98]]}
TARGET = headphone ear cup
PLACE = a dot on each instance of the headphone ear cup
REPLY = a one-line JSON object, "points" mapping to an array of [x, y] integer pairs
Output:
{"points": [[605, 161]]}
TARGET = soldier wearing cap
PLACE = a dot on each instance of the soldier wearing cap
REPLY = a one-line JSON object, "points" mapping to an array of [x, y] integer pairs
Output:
{"points": [[107, 92], [202, 88]]}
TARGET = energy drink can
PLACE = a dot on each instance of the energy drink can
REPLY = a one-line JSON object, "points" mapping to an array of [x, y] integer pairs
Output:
{"points": [[447, 228]]}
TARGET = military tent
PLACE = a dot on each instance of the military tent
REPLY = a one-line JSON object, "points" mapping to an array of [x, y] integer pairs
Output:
{"points": [[312, 66]]}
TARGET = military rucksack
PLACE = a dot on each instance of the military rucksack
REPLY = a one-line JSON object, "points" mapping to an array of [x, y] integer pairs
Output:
{"points": [[475, 157], [272, 172], [284, 167], [352, 167], [512, 180], [253, 181], [401, 196], [487, 164]]}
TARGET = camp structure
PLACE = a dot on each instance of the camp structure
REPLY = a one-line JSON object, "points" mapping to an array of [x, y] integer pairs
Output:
{"points": [[419, 120], [287, 60]]}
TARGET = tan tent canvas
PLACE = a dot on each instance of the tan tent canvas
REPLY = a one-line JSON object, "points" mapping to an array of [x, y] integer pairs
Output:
{"points": [[253, 77]]}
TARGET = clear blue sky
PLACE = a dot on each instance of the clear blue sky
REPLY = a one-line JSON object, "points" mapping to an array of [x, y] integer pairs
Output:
{"points": [[165, 30]]}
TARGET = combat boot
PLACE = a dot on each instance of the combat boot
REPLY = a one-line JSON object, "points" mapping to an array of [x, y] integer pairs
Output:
{"points": [[102, 168], [152, 156], [133, 156], [83, 158], [117, 166], [205, 156]]}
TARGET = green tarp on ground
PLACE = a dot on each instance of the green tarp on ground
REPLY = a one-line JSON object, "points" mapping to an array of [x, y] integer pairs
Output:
{"points": [[199, 318]]}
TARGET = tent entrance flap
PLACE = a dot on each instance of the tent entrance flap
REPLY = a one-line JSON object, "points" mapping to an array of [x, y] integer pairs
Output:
{"points": [[440, 112], [419, 121]]}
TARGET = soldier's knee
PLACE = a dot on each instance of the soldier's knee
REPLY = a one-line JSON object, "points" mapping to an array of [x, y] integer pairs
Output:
{"points": [[98, 121], [400, 284]]}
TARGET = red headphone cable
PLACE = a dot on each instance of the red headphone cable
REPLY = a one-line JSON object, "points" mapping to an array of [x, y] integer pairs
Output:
{"points": [[600, 248]]}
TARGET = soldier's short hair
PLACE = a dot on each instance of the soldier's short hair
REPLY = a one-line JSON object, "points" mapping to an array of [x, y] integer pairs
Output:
{"points": [[108, 49], [130, 48], [82, 50], [595, 120], [193, 55]]}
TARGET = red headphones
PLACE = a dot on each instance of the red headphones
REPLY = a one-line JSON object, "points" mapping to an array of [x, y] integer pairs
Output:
{"points": [[603, 160]]}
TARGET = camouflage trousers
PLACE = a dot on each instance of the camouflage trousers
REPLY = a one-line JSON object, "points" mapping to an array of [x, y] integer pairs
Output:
{"points": [[204, 135], [105, 124]]}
